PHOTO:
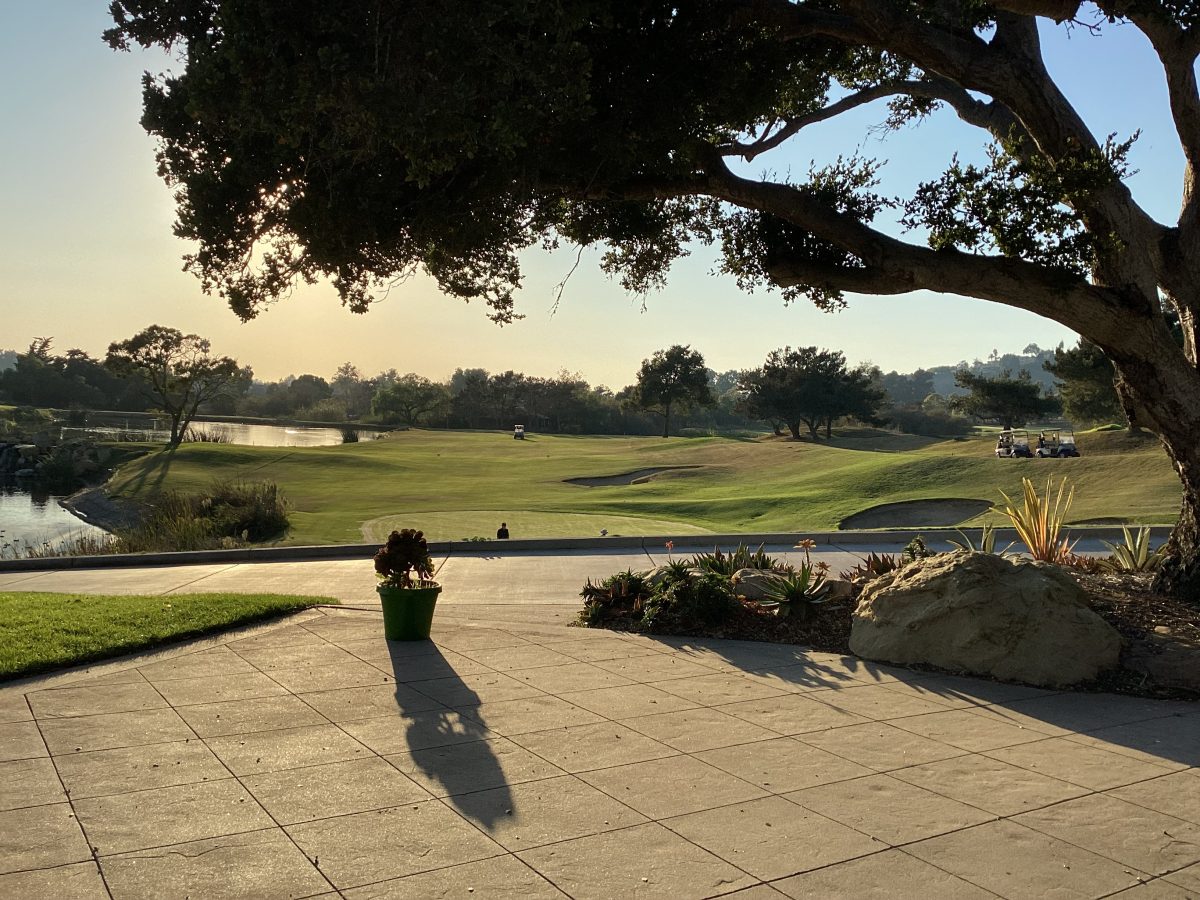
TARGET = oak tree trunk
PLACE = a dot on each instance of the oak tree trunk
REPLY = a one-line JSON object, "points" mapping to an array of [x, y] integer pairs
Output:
{"points": [[1163, 395]]}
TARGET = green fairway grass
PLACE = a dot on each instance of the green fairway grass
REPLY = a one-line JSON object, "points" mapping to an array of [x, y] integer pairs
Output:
{"points": [[39, 632], [456, 484]]}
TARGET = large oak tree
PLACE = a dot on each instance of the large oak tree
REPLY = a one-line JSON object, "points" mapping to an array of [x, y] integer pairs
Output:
{"points": [[177, 370], [363, 139], [674, 378], [810, 387]]}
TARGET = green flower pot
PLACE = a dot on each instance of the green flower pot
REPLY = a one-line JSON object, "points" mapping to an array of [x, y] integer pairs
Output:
{"points": [[408, 612]]}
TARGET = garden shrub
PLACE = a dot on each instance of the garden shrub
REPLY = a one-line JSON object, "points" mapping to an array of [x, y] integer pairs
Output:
{"points": [[682, 600], [928, 423], [704, 600], [229, 514]]}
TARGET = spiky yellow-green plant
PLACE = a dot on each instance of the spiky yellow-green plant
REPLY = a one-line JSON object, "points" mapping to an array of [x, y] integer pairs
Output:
{"points": [[1039, 522], [1135, 554]]}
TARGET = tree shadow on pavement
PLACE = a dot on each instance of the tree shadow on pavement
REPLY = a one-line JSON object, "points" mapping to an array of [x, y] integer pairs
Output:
{"points": [[1168, 730]]}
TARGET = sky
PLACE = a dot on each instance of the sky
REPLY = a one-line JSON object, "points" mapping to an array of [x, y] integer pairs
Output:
{"points": [[87, 255]]}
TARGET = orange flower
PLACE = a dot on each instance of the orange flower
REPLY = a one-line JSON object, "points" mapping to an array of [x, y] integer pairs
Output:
{"points": [[806, 544]]}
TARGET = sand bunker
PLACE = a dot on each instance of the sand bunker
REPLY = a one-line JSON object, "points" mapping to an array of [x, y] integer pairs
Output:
{"points": [[637, 476], [917, 514]]}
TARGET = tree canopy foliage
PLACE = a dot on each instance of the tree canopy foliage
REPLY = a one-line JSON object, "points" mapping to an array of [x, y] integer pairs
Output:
{"points": [[675, 377], [363, 141], [1005, 401], [40, 377], [1085, 377], [810, 386]]}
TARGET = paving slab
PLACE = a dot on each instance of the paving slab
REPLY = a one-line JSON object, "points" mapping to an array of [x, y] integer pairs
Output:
{"points": [[254, 864], [649, 861], [41, 837], [292, 796], [783, 764], [882, 876], [889, 809], [514, 756], [653, 787], [472, 766], [880, 746], [29, 782], [80, 881], [98, 773], [498, 878], [1020, 863], [142, 819], [111, 730], [389, 843], [771, 838]]}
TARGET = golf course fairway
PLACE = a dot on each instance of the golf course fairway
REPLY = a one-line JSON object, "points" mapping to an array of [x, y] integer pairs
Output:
{"points": [[461, 484]]}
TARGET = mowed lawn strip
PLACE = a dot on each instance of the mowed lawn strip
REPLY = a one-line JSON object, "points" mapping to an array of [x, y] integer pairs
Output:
{"points": [[463, 484], [39, 632]]}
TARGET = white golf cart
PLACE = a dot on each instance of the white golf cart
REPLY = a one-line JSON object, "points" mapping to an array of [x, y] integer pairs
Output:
{"points": [[1013, 443], [1055, 443], [519, 432]]}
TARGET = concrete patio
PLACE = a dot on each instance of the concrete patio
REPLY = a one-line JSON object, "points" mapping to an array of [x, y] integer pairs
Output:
{"points": [[513, 756]]}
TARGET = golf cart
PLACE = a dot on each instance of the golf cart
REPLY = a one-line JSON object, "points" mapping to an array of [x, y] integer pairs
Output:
{"points": [[1056, 443], [519, 432], [1013, 443]]}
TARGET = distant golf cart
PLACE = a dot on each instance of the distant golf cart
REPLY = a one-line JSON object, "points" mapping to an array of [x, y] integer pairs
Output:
{"points": [[518, 432], [1013, 443], [1056, 444]]}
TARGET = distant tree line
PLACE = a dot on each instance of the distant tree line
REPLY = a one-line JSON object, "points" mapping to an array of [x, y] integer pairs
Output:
{"points": [[802, 392]]}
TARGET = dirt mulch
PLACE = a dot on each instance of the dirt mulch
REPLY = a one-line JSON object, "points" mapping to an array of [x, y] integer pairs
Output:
{"points": [[1129, 605]]}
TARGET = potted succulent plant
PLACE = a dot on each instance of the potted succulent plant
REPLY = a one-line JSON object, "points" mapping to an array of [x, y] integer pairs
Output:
{"points": [[406, 586]]}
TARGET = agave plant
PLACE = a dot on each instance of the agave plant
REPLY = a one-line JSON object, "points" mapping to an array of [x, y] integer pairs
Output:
{"points": [[621, 586], [1135, 554], [872, 566], [1039, 521], [987, 542], [725, 564], [796, 593]]}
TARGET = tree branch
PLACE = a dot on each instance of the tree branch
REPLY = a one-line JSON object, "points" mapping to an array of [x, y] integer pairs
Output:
{"points": [[1056, 295], [992, 117], [1177, 50], [1058, 10], [889, 265], [792, 127]]}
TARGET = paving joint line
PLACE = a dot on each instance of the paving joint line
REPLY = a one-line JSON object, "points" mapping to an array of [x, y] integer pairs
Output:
{"points": [[252, 796], [95, 857]]}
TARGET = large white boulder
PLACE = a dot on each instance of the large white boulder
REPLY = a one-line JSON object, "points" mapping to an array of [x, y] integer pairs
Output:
{"points": [[985, 615]]}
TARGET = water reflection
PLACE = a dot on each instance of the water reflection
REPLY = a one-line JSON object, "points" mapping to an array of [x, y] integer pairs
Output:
{"points": [[232, 432], [30, 515]]}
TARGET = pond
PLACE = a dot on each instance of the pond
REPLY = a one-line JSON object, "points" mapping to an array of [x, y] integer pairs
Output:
{"points": [[233, 433], [30, 516]]}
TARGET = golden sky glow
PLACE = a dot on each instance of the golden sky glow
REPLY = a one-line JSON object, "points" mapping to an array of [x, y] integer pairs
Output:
{"points": [[87, 255]]}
